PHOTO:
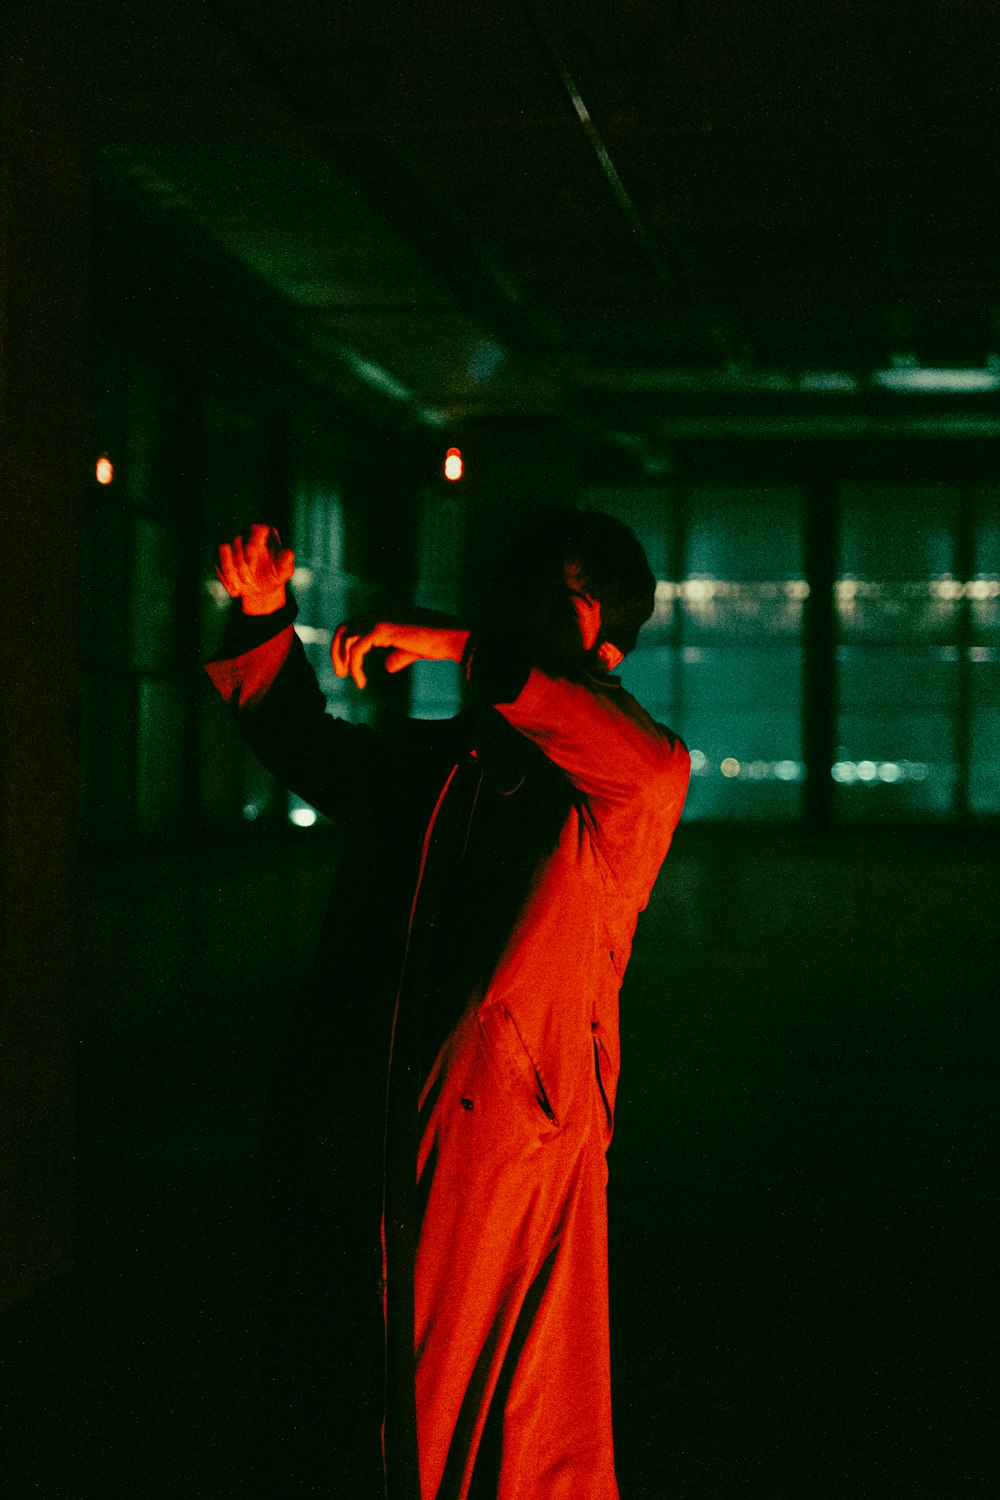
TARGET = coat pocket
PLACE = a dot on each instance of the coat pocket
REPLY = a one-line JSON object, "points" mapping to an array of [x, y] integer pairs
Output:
{"points": [[607, 1080], [506, 1049]]}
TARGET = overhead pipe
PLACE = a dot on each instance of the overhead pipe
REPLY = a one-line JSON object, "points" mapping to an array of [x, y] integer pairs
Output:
{"points": [[672, 276]]}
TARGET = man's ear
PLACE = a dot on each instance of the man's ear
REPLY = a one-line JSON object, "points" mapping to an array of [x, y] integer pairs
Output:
{"points": [[609, 656], [588, 618]]}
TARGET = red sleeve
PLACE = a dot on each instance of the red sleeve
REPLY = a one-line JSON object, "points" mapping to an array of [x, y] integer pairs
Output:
{"points": [[244, 680], [338, 767], [632, 772]]}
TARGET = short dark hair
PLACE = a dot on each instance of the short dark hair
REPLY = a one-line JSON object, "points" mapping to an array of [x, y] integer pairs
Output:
{"points": [[612, 566]]}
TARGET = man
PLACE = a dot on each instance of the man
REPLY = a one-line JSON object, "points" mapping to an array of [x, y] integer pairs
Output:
{"points": [[480, 931]]}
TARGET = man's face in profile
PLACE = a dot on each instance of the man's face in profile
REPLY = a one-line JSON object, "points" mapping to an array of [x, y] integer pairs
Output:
{"points": [[565, 620], [586, 611]]}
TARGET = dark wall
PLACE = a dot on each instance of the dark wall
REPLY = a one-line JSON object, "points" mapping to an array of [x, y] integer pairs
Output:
{"points": [[43, 280]]}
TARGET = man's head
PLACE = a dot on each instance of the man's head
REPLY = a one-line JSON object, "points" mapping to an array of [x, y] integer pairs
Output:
{"points": [[578, 582]]}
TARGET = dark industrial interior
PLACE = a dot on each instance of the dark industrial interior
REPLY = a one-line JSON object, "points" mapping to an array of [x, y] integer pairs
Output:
{"points": [[729, 271]]}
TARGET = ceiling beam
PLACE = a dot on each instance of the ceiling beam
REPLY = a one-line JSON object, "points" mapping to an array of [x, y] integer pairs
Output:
{"points": [[419, 210]]}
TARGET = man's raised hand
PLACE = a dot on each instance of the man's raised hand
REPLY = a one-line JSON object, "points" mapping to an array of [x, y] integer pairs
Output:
{"points": [[256, 569], [410, 634]]}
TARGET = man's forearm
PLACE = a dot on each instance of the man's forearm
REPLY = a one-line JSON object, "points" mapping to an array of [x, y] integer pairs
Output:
{"points": [[441, 643], [418, 636]]}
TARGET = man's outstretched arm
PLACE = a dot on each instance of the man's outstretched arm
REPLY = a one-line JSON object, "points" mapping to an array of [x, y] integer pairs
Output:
{"points": [[632, 771], [412, 634], [262, 673]]}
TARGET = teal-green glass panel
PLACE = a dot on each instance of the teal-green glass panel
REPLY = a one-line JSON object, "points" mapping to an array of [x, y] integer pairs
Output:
{"points": [[326, 597], [897, 560], [318, 527], [661, 628], [984, 737], [897, 731], [748, 676], [160, 754], [898, 531], [983, 589], [332, 596], [746, 531], [435, 689], [157, 563], [738, 709], [650, 673], [440, 542], [759, 787], [744, 568]]}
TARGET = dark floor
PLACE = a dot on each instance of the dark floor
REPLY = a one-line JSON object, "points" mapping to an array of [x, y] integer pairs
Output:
{"points": [[803, 1239]]}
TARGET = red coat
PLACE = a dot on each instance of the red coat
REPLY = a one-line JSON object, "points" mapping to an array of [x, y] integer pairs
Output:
{"points": [[539, 851]]}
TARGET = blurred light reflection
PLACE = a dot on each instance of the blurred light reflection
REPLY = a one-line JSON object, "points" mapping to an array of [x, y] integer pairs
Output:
{"points": [[871, 772]]}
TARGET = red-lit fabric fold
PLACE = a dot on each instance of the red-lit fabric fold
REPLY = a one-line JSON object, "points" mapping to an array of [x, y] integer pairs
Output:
{"points": [[244, 680]]}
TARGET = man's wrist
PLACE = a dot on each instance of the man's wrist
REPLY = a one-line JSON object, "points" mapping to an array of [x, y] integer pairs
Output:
{"points": [[457, 642], [264, 604]]}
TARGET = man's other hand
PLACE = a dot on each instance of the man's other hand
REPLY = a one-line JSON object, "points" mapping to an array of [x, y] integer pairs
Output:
{"points": [[256, 569], [409, 634]]}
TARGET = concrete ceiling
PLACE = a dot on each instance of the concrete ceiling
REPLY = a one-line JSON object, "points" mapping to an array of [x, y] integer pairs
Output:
{"points": [[604, 208]]}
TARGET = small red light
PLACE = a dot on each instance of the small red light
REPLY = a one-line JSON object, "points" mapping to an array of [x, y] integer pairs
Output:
{"points": [[105, 471], [453, 465]]}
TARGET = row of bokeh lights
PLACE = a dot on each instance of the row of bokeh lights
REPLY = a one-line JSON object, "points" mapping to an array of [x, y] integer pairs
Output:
{"points": [[846, 772]]}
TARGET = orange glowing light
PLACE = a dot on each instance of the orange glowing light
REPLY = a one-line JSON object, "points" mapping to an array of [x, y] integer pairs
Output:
{"points": [[105, 471], [453, 465]]}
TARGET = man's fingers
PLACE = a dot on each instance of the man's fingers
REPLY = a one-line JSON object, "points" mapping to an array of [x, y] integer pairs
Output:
{"points": [[358, 649], [397, 660], [226, 570], [261, 550], [353, 640], [354, 659], [338, 651], [242, 568], [348, 653]]}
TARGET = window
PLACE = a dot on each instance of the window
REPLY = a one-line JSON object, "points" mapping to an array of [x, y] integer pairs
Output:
{"points": [[914, 647], [436, 687], [722, 660], [899, 658], [981, 600], [196, 459]]}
